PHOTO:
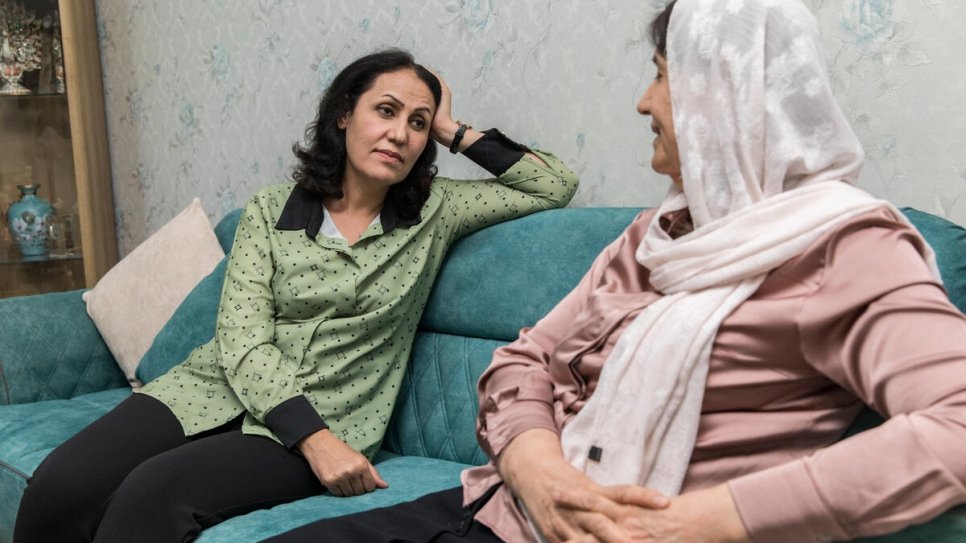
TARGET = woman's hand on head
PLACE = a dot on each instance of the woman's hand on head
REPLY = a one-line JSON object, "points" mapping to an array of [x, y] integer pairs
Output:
{"points": [[342, 469], [562, 502], [444, 127]]}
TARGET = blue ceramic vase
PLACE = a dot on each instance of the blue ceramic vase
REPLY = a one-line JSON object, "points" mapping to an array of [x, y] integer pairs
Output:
{"points": [[28, 218]]}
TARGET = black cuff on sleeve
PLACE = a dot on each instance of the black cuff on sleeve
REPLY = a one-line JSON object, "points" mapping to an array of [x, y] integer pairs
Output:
{"points": [[293, 420], [495, 152]]}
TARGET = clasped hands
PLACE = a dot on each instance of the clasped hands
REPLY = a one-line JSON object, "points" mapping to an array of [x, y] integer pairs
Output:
{"points": [[567, 506]]}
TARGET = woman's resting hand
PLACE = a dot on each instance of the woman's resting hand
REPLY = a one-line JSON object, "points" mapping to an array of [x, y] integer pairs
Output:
{"points": [[343, 470], [701, 516], [566, 505], [563, 503]]}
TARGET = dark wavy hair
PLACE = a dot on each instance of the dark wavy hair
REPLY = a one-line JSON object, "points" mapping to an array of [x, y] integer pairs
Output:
{"points": [[322, 158], [658, 29]]}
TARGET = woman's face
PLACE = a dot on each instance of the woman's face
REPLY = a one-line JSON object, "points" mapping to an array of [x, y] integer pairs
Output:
{"points": [[656, 102], [388, 129]]}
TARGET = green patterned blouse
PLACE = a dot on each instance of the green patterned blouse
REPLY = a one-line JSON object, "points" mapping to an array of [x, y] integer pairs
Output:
{"points": [[314, 333]]}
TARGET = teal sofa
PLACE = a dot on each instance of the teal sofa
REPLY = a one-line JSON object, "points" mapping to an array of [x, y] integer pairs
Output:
{"points": [[57, 375]]}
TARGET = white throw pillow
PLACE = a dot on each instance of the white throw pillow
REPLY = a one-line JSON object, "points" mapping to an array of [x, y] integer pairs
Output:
{"points": [[134, 300]]}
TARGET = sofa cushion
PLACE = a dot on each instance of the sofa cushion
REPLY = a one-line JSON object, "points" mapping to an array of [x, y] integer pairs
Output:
{"points": [[134, 300], [949, 241], [192, 324], [226, 227], [409, 477], [486, 288], [50, 349], [28, 432], [467, 318], [570, 239], [435, 414]]}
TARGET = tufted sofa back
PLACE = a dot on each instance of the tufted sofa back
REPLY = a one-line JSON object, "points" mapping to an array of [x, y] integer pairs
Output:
{"points": [[492, 284]]}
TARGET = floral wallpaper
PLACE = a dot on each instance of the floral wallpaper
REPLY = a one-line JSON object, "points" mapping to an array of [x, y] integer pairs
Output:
{"points": [[206, 97]]}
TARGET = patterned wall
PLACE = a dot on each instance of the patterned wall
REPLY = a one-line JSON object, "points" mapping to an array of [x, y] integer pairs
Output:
{"points": [[206, 97]]}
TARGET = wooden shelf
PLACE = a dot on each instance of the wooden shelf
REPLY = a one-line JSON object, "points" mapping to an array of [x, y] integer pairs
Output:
{"points": [[61, 140], [30, 277], [17, 260], [47, 96]]}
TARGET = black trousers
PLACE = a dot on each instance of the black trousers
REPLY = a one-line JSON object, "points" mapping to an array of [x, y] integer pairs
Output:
{"points": [[435, 518], [133, 476]]}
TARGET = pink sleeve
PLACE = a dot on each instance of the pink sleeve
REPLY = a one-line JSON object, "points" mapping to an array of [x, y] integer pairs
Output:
{"points": [[881, 328], [516, 391]]}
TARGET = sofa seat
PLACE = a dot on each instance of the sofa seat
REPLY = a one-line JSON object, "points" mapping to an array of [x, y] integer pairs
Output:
{"points": [[409, 477], [29, 431], [431, 427]]}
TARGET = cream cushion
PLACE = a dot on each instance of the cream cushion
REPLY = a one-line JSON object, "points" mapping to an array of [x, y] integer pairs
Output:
{"points": [[134, 300]]}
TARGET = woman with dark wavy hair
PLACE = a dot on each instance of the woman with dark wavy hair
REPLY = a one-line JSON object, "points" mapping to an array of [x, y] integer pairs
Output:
{"points": [[325, 284], [322, 162]]}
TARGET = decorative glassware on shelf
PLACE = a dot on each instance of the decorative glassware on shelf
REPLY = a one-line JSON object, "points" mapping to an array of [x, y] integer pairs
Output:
{"points": [[21, 49], [59, 86], [10, 71], [29, 220], [61, 233]]}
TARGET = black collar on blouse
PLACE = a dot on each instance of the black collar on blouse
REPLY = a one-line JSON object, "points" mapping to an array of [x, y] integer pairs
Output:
{"points": [[303, 210]]}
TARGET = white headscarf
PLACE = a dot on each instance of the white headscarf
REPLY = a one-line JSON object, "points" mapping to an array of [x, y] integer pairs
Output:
{"points": [[767, 160]]}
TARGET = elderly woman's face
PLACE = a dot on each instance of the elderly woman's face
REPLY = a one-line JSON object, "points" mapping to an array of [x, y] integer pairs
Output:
{"points": [[656, 103]]}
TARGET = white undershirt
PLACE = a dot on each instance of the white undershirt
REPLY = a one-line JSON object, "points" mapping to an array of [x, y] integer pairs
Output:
{"points": [[330, 230]]}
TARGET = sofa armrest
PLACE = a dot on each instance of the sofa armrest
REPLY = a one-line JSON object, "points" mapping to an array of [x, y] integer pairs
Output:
{"points": [[50, 349]]}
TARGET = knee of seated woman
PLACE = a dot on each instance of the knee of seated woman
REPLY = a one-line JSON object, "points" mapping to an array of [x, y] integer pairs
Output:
{"points": [[58, 490], [58, 483], [156, 482]]}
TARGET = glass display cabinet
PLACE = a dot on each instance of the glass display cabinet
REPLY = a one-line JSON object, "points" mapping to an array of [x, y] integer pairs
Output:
{"points": [[57, 229]]}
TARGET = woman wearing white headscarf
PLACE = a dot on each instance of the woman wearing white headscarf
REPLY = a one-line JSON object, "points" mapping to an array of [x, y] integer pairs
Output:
{"points": [[719, 349]]}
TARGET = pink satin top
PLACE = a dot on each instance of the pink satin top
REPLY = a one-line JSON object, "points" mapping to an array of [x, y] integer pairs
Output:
{"points": [[854, 320]]}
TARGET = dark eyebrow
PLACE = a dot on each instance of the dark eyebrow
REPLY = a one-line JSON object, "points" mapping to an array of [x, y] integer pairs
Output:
{"points": [[394, 99], [401, 104]]}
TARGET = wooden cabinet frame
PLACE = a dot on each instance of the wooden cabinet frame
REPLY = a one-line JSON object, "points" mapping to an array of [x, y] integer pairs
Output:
{"points": [[88, 129]]}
